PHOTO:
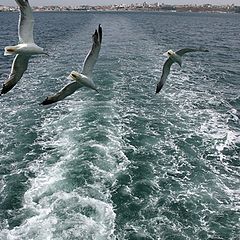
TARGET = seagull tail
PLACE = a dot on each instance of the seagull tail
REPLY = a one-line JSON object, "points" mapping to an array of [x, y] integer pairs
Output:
{"points": [[10, 50]]}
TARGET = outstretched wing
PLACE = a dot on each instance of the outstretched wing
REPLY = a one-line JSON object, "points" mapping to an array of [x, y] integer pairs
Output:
{"points": [[26, 22], [92, 56], [165, 72], [19, 66], [63, 93], [187, 50]]}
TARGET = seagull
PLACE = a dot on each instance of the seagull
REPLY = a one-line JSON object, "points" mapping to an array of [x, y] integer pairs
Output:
{"points": [[25, 49], [85, 77], [172, 58]]}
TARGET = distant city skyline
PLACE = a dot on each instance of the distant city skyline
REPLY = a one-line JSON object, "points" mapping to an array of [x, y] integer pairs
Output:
{"points": [[107, 2]]}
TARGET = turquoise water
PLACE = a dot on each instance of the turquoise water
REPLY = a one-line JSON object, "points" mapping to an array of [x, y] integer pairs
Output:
{"points": [[125, 163]]}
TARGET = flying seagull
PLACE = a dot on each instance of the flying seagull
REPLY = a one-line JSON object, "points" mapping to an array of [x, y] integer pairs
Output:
{"points": [[172, 58], [85, 77], [24, 49]]}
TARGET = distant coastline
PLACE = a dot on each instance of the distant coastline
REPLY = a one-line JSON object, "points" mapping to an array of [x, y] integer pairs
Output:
{"points": [[156, 7]]}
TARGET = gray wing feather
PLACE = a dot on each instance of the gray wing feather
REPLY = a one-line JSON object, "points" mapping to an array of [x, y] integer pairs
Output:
{"points": [[92, 56], [181, 52], [166, 70], [63, 93], [19, 66], [26, 22]]}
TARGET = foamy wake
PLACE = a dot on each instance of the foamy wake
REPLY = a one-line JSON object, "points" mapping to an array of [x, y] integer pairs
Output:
{"points": [[61, 212]]}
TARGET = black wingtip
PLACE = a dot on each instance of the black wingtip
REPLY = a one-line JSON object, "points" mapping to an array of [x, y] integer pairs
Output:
{"points": [[6, 89], [47, 101], [100, 33], [159, 87], [22, 3]]}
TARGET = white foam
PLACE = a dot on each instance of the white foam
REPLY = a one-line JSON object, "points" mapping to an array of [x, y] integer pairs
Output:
{"points": [[59, 212]]}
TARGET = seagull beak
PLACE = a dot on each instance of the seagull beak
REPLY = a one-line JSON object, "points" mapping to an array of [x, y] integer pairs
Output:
{"points": [[166, 54], [70, 78]]}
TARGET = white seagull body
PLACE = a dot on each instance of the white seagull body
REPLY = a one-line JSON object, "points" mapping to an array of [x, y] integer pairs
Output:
{"points": [[85, 77], [172, 58], [24, 49]]}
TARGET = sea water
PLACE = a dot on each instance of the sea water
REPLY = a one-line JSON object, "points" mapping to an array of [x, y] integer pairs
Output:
{"points": [[124, 163]]}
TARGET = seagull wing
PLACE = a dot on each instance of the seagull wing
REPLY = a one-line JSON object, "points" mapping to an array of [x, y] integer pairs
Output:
{"points": [[92, 56], [165, 72], [19, 66], [187, 50], [26, 22], [64, 92]]}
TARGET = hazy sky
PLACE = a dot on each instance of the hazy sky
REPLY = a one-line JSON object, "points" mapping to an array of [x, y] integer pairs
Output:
{"points": [[102, 2]]}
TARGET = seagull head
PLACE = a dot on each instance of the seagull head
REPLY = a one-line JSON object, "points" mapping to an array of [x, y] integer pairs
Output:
{"points": [[10, 50], [82, 79], [169, 53], [175, 57], [74, 76]]}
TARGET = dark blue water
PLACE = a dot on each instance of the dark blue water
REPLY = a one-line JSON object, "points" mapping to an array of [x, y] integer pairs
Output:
{"points": [[124, 163]]}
